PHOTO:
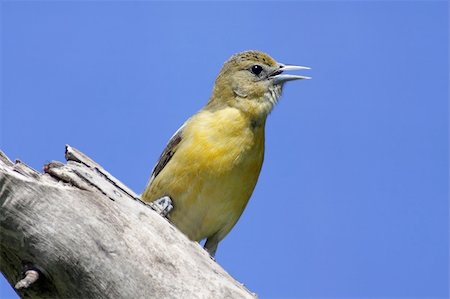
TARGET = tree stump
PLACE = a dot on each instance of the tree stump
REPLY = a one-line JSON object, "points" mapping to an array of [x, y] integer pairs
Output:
{"points": [[75, 231]]}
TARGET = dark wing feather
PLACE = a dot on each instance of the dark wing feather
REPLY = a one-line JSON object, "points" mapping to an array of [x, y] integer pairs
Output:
{"points": [[168, 153]]}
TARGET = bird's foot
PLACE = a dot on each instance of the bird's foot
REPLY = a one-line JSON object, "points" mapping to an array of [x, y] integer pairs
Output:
{"points": [[163, 205], [211, 245]]}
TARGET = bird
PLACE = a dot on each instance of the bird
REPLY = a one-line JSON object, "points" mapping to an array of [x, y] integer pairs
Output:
{"points": [[211, 165]]}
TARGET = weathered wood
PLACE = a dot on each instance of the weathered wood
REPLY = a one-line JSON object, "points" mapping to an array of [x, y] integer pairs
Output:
{"points": [[86, 235]]}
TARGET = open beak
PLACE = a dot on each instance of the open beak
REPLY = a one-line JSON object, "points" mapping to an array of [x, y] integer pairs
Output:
{"points": [[279, 78]]}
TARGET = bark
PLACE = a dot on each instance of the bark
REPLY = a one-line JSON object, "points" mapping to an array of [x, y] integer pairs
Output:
{"points": [[84, 234]]}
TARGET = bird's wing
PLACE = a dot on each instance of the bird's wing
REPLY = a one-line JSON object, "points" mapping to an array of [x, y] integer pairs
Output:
{"points": [[168, 153]]}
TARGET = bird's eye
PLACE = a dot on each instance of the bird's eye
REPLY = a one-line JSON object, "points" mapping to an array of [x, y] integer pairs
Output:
{"points": [[256, 69]]}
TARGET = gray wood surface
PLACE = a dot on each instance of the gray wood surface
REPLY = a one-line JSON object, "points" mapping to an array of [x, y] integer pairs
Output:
{"points": [[87, 235]]}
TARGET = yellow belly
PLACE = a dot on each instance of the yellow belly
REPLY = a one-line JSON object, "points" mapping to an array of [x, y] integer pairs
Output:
{"points": [[212, 174]]}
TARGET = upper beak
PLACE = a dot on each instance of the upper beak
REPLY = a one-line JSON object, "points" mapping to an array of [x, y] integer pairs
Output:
{"points": [[281, 78]]}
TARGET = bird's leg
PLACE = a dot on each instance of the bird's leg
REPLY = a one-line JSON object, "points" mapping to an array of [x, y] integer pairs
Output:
{"points": [[164, 205], [211, 246]]}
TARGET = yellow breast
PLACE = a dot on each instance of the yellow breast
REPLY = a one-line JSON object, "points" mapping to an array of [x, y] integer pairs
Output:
{"points": [[211, 176]]}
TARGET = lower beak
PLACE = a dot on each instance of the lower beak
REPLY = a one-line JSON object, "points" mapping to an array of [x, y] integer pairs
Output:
{"points": [[282, 78]]}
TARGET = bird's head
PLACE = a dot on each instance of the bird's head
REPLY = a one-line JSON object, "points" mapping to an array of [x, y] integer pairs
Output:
{"points": [[252, 82]]}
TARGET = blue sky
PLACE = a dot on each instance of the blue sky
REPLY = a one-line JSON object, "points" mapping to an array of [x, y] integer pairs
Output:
{"points": [[352, 201]]}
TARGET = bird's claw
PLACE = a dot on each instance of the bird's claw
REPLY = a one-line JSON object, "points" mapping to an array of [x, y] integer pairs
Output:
{"points": [[163, 205]]}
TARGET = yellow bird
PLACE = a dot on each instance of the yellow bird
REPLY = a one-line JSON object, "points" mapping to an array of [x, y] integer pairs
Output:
{"points": [[211, 164]]}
